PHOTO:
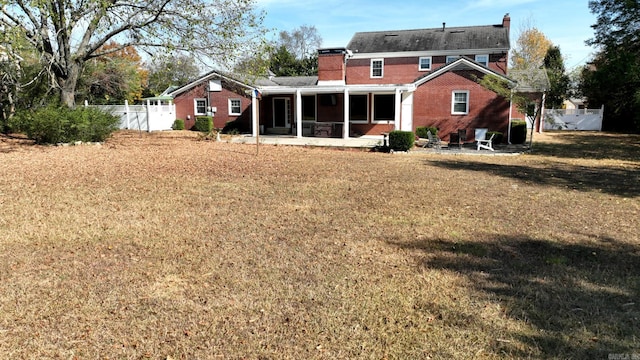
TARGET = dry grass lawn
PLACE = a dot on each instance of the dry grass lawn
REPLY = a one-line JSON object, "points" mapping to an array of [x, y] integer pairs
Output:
{"points": [[162, 246]]}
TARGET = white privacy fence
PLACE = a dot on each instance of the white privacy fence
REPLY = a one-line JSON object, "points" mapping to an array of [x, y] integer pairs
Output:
{"points": [[147, 117], [573, 119]]}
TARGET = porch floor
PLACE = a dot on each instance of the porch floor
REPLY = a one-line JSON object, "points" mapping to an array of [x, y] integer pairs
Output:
{"points": [[360, 142]]}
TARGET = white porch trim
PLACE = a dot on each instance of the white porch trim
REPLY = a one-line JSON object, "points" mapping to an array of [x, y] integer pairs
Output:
{"points": [[254, 113], [345, 128], [298, 106], [398, 103]]}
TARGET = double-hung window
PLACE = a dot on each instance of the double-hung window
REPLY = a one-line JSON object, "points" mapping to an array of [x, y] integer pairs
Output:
{"points": [[483, 59], [377, 68], [452, 58], [200, 106], [235, 107], [460, 102], [424, 63]]}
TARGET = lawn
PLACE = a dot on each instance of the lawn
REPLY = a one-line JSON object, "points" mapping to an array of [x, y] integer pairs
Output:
{"points": [[163, 246]]}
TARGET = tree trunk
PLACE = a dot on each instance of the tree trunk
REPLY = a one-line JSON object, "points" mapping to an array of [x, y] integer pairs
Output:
{"points": [[68, 84]]}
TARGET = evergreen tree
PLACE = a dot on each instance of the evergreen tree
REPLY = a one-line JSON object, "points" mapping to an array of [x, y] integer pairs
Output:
{"points": [[558, 79], [613, 79]]}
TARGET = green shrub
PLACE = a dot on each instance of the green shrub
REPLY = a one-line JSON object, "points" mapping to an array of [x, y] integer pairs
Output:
{"points": [[401, 140], [518, 131], [203, 124], [59, 124], [178, 124], [421, 131], [497, 139]]}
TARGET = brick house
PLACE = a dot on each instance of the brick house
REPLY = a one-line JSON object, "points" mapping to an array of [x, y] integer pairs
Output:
{"points": [[213, 94], [382, 81]]}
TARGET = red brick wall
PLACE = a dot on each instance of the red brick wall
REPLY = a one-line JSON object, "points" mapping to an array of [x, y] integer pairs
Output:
{"points": [[432, 106], [185, 105], [370, 129], [326, 111], [405, 70]]}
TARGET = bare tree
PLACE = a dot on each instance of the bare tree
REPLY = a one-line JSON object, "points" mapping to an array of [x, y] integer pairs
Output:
{"points": [[302, 42], [67, 33]]}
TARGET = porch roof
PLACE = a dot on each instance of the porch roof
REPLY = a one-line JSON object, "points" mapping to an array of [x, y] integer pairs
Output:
{"points": [[319, 89]]}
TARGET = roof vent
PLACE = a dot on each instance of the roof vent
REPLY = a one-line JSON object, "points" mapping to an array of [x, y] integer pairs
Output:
{"points": [[443, 25]]}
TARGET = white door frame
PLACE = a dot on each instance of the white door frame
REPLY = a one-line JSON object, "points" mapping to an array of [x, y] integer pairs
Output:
{"points": [[287, 112]]}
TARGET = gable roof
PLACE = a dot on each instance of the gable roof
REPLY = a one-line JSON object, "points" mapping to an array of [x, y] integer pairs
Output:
{"points": [[463, 63], [206, 77], [435, 39], [530, 80]]}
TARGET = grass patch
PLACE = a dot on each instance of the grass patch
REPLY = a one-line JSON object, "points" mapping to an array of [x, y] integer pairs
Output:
{"points": [[161, 246]]}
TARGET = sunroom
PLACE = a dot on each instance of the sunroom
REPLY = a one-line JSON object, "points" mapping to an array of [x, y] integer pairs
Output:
{"points": [[321, 111]]}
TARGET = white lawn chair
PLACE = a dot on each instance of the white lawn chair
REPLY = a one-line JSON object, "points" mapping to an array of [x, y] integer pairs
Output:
{"points": [[434, 141], [486, 144]]}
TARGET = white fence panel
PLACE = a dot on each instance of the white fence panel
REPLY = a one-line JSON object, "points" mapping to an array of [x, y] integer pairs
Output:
{"points": [[142, 117], [574, 119]]}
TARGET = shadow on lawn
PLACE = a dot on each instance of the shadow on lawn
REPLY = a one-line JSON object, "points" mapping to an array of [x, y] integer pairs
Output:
{"points": [[612, 180], [580, 300], [591, 145], [10, 143]]}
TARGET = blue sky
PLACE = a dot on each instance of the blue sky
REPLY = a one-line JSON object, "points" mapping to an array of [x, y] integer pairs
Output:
{"points": [[567, 23]]}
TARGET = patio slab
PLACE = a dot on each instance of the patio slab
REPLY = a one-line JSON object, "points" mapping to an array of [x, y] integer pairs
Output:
{"points": [[371, 142]]}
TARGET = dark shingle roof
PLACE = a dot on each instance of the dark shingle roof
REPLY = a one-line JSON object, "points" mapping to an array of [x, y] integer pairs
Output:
{"points": [[296, 80], [452, 38], [530, 80]]}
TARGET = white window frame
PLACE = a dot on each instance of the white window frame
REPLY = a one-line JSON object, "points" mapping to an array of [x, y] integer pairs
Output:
{"points": [[368, 108], [315, 107], [453, 102], [420, 68], [195, 106], [486, 56], [381, 61], [373, 108], [451, 58], [231, 112]]}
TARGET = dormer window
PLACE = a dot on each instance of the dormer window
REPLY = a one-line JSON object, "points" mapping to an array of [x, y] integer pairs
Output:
{"points": [[424, 63], [483, 59], [377, 68]]}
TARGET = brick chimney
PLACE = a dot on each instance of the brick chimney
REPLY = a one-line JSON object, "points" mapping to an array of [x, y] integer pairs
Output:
{"points": [[506, 22], [331, 66]]}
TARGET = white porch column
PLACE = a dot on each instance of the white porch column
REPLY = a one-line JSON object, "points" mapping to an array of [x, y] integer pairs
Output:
{"points": [[345, 127], [254, 113], [298, 114], [541, 125], [396, 117]]}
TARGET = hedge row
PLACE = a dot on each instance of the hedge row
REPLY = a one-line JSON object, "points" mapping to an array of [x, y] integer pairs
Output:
{"points": [[60, 124]]}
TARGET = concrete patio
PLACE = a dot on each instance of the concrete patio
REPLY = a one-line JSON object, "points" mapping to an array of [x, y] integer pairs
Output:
{"points": [[370, 142]]}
